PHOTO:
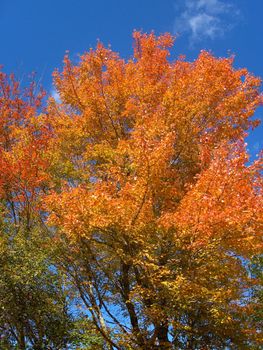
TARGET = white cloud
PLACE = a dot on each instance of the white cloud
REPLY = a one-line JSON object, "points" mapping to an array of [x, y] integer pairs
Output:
{"points": [[213, 6], [54, 93], [205, 19], [204, 25]]}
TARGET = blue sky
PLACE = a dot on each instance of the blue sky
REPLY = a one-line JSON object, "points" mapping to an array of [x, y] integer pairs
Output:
{"points": [[35, 33]]}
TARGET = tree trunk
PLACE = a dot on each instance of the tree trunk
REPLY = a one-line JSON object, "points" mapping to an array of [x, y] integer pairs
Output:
{"points": [[21, 338], [162, 337]]}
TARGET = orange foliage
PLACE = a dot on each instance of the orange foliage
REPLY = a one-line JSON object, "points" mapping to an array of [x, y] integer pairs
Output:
{"points": [[154, 179], [149, 180], [23, 141]]}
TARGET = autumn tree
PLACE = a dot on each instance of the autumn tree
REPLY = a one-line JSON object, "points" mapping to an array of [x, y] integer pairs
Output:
{"points": [[133, 198], [256, 270], [36, 307], [34, 310], [153, 191]]}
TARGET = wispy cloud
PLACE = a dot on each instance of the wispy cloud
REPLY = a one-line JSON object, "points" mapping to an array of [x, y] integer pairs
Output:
{"points": [[54, 93], [205, 19]]}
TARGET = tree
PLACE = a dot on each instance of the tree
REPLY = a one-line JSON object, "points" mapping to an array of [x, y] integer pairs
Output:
{"points": [[256, 312], [36, 307], [152, 189]]}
